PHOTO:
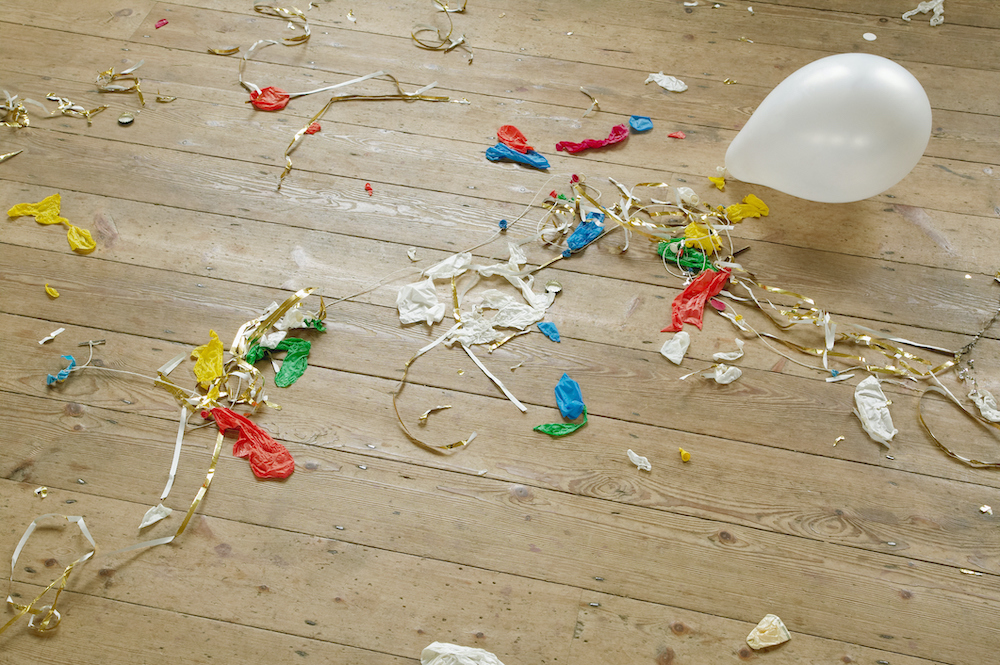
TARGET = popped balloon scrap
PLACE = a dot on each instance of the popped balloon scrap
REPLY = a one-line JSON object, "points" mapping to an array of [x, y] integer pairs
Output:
{"points": [[63, 374], [502, 152], [267, 457], [444, 653], [569, 398], [769, 632], [586, 232], [641, 462], [677, 135], [549, 330], [46, 212], [937, 6], [675, 347], [640, 123], [313, 128], [512, 137], [669, 83], [618, 134], [872, 408], [269, 99], [295, 362], [688, 307]]}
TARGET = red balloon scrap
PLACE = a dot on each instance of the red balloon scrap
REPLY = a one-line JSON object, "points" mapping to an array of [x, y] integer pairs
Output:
{"points": [[269, 99], [512, 137], [575, 179], [677, 135], [313, 128], [268, 458], [689, 306], [162, 22], [618, 134], [368, 188]]}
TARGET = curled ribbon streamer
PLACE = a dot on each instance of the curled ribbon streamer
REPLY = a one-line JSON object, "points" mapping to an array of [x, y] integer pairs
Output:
{"points": [[400, 95], [290, 14], [441, 42], [109, 81], [975, 464], [49, 616], [67, 107]]}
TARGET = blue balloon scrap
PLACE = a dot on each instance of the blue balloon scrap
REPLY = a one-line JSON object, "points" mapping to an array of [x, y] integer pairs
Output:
{"points": [[503, 224], [501, 152], [587, 232], [569, 398], [549, 330], [63, 374], [640, 123]]}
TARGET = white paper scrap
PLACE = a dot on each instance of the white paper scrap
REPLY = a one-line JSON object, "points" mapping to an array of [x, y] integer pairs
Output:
{"points": [[768, 633], [731, 355], [52, 335], [443, 653], [639, 461], [675, 347], [419, 302], [154, 515], [873, 410], [666, 82], [987, 404]]}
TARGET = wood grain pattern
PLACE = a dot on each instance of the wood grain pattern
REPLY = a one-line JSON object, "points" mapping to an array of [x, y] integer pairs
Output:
{"points": [[542, 550]]}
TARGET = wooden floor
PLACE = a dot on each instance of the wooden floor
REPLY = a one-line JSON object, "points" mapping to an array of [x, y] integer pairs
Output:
{"points": [[540, 550]]}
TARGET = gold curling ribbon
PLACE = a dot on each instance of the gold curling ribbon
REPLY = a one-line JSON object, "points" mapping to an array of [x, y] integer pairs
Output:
{"points": [[441, 42], [446, 449], [109, 81], [290, 14], [975, 464]]}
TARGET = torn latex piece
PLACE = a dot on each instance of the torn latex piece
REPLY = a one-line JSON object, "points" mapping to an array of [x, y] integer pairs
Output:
{"points": [[63, 374], [769, 632], [46, 212], [453, 266], [641, 462], [586, 232], [723, 374], [505, 153], [294, 364], [154, 515], [209, 365], [512, 137], [419, 302], [937, 6], [476, 328], [873, 410], [987, 404], [689, 306], [569, 398], [668, 83], [699, 236], [751, 207], [618, 134], [443, 653], [675, 347], [267, 457], [731, 355]]}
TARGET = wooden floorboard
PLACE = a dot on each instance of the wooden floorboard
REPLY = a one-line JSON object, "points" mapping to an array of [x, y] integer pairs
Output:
{"points": [[539, 549]]}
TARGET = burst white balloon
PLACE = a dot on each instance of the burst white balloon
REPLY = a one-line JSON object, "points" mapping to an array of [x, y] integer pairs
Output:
{"points": [[842, 128]]}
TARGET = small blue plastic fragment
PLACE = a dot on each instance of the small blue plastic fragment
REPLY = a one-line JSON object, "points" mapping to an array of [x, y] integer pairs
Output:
{"points": [[587, 231], [63, 374], [549, 330], [640, 123], [567, 253], [503, 152], [503, 225], [569, 398]]}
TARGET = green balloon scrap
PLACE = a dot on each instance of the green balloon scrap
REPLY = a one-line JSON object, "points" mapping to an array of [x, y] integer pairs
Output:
{"points": [[562, 429], [294, 364], [690, 259]]}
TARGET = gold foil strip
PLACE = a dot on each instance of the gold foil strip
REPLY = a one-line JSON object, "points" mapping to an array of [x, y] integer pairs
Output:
{"points": [[291, 14], [423, 416], [441, 42], [5, 157], [49, 616], [231, 50], [400, 95], [445, 449], [968, 461], [594, 104], [109, 81], [68, 107]]}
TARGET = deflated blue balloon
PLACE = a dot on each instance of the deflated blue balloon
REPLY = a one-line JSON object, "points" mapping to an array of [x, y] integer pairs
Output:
{"points": [[63, 374], [587, 231], [640, 123], [550, 330], [501, 152], [569, 398]]}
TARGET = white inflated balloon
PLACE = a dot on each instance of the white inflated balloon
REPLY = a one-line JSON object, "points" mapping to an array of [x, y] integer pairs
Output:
{"points": [[842, 128]]}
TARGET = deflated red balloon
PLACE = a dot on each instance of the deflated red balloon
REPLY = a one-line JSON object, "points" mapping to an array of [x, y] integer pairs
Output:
{"points": [[512, 137], [269, 99], [268, 458], [689, 306], [618, 134]]}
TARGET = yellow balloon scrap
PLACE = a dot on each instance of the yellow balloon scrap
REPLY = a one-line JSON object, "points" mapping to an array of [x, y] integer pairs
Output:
{"points": [[46, 212], [701, 237], [50, 292], [685, 455], [769, 632], [208, 367], [751, 207], [720, 183]]}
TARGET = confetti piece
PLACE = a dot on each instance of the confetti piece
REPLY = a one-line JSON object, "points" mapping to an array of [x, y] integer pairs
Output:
{"points": [[368, 188], [313, 128], [677, 135], [162, 22], [50, 292]]}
